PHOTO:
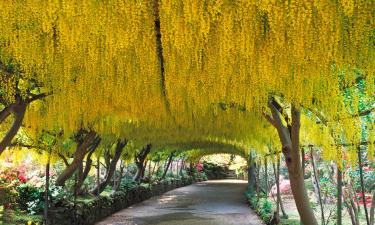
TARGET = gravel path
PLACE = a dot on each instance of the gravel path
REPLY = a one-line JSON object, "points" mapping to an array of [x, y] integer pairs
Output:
{"points": [[218, 202]]}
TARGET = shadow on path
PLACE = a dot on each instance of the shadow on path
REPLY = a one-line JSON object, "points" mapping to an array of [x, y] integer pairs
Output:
{"points": [[220, 202]]}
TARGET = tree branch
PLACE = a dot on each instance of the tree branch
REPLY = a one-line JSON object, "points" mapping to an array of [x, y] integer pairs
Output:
{"points": [[64, 159], [5, 113], [35, 97]]}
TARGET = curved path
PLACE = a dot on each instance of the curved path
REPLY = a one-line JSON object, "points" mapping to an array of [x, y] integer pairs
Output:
{"points": [[218, 202]]}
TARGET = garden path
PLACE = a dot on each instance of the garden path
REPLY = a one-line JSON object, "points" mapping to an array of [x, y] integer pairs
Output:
{"points": [[219, 202]]}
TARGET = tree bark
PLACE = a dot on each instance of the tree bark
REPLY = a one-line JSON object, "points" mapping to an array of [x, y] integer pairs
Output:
{"points": [[372, 210], [339, 197], [354, 206], [139, 160], [289, 137], [251, 177], [46, 191], [351, 213], [111, 169], [317, 185], [98, 174], [167, 167], [266, 173], [118, 183], [78, 185], [18, 109], [362, 185], [79, 155], [278, 197], [303, 162], [279, 202]]}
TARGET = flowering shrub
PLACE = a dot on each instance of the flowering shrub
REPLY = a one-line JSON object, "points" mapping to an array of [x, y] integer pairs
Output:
{"points": [[199, 167], [10, 178]]}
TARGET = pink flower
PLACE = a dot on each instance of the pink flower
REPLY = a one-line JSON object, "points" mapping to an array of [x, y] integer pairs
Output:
{"points": [[199, 167]]}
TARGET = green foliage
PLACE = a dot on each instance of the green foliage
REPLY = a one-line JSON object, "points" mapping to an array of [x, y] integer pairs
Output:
{"points": [[128, 183], [214, 171], [261, 204], [30, 198]]}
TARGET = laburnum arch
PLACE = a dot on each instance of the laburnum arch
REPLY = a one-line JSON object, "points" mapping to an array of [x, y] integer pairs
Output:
{"points": [[161, 72]]}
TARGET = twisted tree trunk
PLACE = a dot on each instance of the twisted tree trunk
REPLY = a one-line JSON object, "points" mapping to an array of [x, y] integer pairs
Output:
{"points": [[79, 155], [139, 161], [112, 168]]}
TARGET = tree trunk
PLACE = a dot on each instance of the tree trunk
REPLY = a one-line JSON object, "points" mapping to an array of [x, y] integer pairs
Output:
{"points": [[317, 185], [303, 162], [149, 174], [79, 155], [372, 210], [279, 202], [351, 213], [167, 167], [18, 109], [139, 160], [266, 173], [112, 168], [355, 208], [98, 174], [251, 177], [138, 174], [339, 197], [154, 167], [46, 191], [289, 137], [144, 169], [362, 185], [118, 183], [257, 179], [278, 197], [78, 185]]}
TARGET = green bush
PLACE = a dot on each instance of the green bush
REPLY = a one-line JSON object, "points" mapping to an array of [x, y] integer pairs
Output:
{"points": [[30, 198]]}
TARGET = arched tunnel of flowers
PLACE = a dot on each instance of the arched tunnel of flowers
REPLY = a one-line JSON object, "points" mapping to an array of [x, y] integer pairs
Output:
{"points": [[99, 96]]}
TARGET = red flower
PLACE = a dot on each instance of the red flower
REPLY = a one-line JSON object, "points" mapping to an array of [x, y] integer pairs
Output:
{"points": [[22, 178]]}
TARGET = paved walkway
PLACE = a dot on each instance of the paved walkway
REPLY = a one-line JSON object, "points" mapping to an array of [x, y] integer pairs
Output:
{"points": [[218, 202]]}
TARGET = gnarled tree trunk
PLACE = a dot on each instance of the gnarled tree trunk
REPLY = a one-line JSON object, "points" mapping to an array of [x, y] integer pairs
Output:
{"points": [[139, 161], [112, 167], [79, 155]]}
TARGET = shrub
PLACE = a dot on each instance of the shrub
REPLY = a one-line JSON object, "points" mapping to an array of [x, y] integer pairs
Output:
{"points": [[30, 198]]}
